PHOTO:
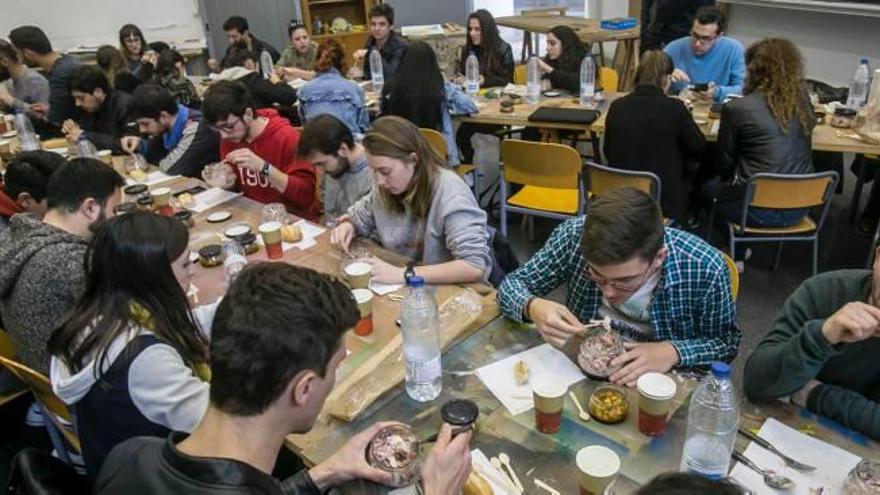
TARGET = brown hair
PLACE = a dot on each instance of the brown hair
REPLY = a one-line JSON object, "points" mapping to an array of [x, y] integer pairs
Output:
{"points": [[620, 224], [774, 67], [654, 67], [330, 56], [398, 138]]}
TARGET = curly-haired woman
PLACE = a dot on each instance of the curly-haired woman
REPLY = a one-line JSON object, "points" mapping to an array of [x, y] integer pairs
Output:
{"points": [[769, 130]]}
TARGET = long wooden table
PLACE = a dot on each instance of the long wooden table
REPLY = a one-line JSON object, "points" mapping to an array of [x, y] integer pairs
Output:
{"points": [[626, 55]]}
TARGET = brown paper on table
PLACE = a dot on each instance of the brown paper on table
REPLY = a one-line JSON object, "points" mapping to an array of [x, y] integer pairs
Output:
{"points": [[359, 390]]}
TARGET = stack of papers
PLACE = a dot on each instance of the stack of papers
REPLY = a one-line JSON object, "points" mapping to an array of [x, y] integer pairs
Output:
{"points": [[151, 179]]}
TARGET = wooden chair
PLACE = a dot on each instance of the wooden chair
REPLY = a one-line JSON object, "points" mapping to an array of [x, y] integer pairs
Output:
{"points": [[551, 178], [601, 179], [812, 192], [59, 421], [438, 142], [734, 275], [7, 350]]}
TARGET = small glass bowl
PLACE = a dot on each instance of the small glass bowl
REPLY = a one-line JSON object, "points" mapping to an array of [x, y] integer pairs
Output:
{"points": [[596, 352], [210, 256], [608, 405], [395, 450], [864, 479]]}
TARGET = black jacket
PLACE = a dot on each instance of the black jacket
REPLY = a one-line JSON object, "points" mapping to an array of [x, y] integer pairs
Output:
{"points": [[502, 73], [257, 46], [667, 20], [567, 78], [391, 51], [649, 131], [112, 121], [265, 94], [148, 466], [199, 145], [750, 141]]}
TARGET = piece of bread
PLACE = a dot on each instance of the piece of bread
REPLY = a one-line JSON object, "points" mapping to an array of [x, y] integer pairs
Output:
{"points": [[291, 233], [521, 372], [138, 175], [185, 199], [476, 485]]}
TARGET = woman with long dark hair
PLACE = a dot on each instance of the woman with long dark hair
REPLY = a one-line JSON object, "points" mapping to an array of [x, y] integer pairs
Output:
{"points": [[331, 93], [418, 209], [419, 94], [137, 55], [494, 54], [562, 63], [130, 357]]}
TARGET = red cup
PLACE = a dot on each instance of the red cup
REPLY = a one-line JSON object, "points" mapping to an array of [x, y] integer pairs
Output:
{"points": [[271, 233], [364, 300], [656, 392]]}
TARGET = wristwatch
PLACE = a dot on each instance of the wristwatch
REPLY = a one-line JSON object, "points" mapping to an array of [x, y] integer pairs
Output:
{"points": [[410, 271], [265, 170]]}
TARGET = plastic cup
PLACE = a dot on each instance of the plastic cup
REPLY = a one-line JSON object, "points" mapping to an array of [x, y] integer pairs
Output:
{"points": [[106, 156], [549, 396], [597, 468], [656, 392], [271, 233], [364, 299], [358, 274]]}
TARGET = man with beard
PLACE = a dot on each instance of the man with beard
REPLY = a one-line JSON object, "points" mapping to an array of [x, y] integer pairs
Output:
{"points": [[41, 262], [329, 144]]}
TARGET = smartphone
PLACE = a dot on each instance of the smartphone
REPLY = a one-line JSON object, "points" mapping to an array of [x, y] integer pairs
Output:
{"points": [[193, 190], [700, 87]]}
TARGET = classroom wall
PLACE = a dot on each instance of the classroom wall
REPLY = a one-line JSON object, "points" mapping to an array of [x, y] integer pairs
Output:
{"points": [[414, 12]]}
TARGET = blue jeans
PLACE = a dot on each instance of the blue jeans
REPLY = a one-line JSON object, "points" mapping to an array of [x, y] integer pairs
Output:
{"points": [[729, 205]]}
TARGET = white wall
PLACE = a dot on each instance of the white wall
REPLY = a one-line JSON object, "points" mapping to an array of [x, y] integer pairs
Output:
{"points": [[831, 43]]}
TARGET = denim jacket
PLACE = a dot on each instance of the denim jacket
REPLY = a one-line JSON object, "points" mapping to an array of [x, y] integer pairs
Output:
{"points": [[456, 103], [333, 94]]}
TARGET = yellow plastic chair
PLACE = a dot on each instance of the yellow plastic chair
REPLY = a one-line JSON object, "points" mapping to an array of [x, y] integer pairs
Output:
{"points": [[550, 174], [520, 75], [785, 192], [609, 79], [601, 179], [438, 142], [734, 275], [7, 350]]}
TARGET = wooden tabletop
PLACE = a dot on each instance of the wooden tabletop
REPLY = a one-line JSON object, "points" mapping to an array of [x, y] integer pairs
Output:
{"points": [[588, 30]]}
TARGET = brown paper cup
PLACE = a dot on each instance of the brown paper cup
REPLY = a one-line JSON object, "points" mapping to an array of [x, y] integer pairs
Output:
{"points": [[271, 232], [597, 467], [106, 156], [549, 396], [357, 274], [364, 299], [656, 392], [161, 196]]}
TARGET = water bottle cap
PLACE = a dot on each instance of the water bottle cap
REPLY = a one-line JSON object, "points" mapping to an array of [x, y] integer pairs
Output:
{"points": [[864, 61], [415, 281], [721, 370]]}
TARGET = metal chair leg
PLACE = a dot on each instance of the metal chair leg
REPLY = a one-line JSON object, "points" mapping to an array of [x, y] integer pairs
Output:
{"points": [[857, 193], [711, 221], [816, 254], [778, 255], [531, 228]]}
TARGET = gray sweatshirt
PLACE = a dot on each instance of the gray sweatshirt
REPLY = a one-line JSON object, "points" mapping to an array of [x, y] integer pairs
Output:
{"points": [[455, 228], [28, 89], [41, 278], [340, 194]]}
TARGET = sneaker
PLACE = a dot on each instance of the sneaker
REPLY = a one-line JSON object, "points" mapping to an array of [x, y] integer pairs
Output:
{"points": [[694, 223]]}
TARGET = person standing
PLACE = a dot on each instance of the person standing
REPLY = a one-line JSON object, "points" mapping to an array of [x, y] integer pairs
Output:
{"points": [[238, 31]]}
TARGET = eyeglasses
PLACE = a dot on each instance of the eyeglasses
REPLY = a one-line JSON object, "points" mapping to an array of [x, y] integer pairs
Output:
{"points": [[703, 40], [625, 284], [227, 126]]}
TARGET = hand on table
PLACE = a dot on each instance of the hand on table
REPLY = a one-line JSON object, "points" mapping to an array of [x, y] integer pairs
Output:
{"points": [[130, 144], [544, 67], [40, 110], [342, 235], [385, 273], [679, 75], [554, 321], [350, 462], [708, 95], [800, 397], [447, 466], [855, 322], [639, 359], [245, 158], [359, 55]]}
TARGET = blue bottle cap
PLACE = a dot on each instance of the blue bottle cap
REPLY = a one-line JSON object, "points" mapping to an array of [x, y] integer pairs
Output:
{"points": [[416, 281], [864, 61], [721, 370]]}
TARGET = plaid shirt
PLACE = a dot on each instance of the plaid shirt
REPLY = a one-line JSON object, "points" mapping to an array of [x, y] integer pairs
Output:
{"points": [[692, 307]]}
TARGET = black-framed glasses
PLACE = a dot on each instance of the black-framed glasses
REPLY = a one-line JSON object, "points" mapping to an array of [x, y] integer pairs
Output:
{"points": [[703, 40], [626, 284], [226, 126]]}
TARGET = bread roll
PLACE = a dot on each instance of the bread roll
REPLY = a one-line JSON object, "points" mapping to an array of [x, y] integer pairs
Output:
{"points": [[291, 233], [476, 485]]}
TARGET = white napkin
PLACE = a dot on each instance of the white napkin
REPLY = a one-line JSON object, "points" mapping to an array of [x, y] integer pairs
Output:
{"points": [[832, 463], [152, 178], [499, 378], [518, 89], [309, 232], [381, 289], [214, 196]]}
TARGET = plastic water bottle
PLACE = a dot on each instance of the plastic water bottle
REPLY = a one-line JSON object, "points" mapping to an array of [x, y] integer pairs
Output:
{"points": [[420, 329], [85, 148], [27, 138], [234, 259], [588, 81], [472, 75], [858, 87], [713, 418], [533, 81], [267, 68], [376, 74]]}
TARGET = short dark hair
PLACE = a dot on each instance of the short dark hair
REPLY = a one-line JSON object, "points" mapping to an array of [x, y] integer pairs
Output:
{"points": [[620, 224], [167, 61], [709, 14], [294, 25], [383, 10], [324, 134], [225, 98], [148, 100], [31, 38], [687, 484], [8, 51], [29, 172], [87, 78], [275, 321], [236, 22], [238, 55], [80, 179], [159, 46]]}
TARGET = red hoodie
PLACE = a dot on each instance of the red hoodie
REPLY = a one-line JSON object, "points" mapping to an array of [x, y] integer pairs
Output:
{"points": [[8, 207], [277, 145]]}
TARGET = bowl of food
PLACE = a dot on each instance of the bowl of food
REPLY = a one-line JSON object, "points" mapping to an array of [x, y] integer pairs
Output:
{"points": [[600, 346], [608, 405], [864, 479], [395, 449]]}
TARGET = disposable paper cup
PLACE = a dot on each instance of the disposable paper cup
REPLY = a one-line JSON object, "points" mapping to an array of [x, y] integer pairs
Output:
{"points": [[597, 466], [358, 274], [656, 392], [271, 233], [549, 396], [364, 299], [161, 196]]}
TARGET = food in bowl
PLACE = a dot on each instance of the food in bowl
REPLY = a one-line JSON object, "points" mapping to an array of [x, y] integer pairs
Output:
{"points": [[608, 405], [600, 346], [395, 449]]}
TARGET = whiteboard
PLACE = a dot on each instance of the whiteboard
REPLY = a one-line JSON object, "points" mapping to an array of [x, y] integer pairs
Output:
{"points": [[83, 25]]}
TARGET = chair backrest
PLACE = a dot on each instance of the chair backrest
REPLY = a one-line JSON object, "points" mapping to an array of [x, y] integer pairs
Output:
{"points": [[734, 274], [40, 386], [609, 79], [437, 141], [548, 165], [7, 349], [783, 191], [520, 74], [601, 179]]}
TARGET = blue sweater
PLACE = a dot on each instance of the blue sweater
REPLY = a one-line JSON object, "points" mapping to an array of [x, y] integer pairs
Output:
{"points": [[724, 65]]}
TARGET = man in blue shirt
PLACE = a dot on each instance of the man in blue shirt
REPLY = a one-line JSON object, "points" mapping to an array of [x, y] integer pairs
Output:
{"points": [[708, 57], [666, 290]]}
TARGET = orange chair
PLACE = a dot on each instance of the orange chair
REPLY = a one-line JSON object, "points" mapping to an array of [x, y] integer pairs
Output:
{"points": [[7, 350], [438, 142]]}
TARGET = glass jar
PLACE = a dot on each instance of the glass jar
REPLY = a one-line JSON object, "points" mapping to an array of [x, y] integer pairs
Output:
{"points": [[395, 450], [210, 256], [123, 208], [186, 217], [135, 192], [864, 479], [145, 203], [843, 118], [608, 405], [248, 242], [600, 346]]}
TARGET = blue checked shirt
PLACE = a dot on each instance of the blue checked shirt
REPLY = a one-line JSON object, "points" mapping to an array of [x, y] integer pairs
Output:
{"points": [[692, 307]]}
